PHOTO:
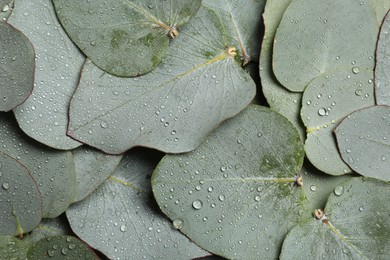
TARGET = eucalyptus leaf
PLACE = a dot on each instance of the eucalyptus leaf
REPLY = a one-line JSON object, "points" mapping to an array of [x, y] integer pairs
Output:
{"points": [[52, 170], [124, 38], [92, 168], [44, 115], [235, 195], [16, 67], [356, 225], [61, 247], [364, 141], [326, 101], [314, 37], [18, 191], [279, 98], [242, 20], [13, 248], [382, 66], [6, 7], [171, 109], [120, 220]]}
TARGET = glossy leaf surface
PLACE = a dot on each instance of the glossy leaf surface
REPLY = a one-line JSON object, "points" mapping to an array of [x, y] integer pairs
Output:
{"points": [[234, 195]]}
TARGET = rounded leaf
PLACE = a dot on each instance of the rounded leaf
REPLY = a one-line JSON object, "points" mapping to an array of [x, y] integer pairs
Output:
{"points": [[326, 101], [120, 220], [17, 67], [364, 141], [44, 115], [356, 225], [234, 195], [382, 66], [174, 107], [21, 202], [61, 247], [124, 38], [314, 37]]}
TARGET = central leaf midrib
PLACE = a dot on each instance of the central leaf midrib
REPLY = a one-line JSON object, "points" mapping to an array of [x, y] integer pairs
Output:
{"points": [[126, 183]]}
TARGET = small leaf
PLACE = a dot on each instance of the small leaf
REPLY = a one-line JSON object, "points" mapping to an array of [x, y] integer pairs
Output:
{"points": [[61, 247], [124, 38], [16, 67], [44, 115], [364, 141], [355, 226], [326, 101], [92, 168], [120, 220], [311, 39], [279, 98], [171, 109], [242, 20], [382, 67], [18, 192], [52, 170], [234, 194]]}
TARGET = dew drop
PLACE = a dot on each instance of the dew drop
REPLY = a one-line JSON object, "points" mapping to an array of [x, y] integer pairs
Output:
{"points": [[221, 197], [178, 223], [361, 209], [50, 253], [313, 188], [355, 70], [383, 158], [6, 185], [223, 168], [197, 204], [322, 111], [257, 198], [339, 190], [123, 228]]}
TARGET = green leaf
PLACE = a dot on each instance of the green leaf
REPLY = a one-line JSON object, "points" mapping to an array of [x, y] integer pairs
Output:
{"points": [[6, 7], [243, 22], [279, 98], [124, 38], [382, 66], [13, 248], [326, 101], [171, 109], [52, 170], [16, 67], [92, 168], [18, 192], [234, 195], [314, 37], [364, 141], [61, 247], [355, 226], [44, 115], [120, 220]]}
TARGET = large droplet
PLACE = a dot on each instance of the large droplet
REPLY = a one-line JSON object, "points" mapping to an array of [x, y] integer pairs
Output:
{"points": [[178, 223], [339, 190], [197, 204]]}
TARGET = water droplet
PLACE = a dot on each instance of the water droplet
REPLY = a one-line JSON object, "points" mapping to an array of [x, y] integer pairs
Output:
{"points": [[313, 188], [72, 246], [339, 190], [223, 168], [104, 124], [6, 185], [348, 151], [358, 92], [257, 198], [178, 223], [123, 228], [322, 111], [197, 204], [210, 189], [50, 253], [355, 70], [221, 197], [64, 251], [361, 209], [383, 158]]}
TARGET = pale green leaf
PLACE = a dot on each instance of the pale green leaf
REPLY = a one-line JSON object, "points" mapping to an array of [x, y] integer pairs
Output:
{"points": [[173, 108], [279, 98], [92, 168], [52, 170], [382, 67], [16, 67], [124, 38], [326, 101], [120, 220], [364, 141], [314, 37], [236, 194], [356, 225], [18, 192], [44, 115]]}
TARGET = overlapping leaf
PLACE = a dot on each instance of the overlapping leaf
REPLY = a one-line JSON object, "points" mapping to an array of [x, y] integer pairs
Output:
{"points": [[279, 98], [173, 108], [52, 170], [124, 38], [382, 67], [355, 225], [119, 218], [44, 115], [234, 195], [18, 192], [16, 67], [364, 141]]}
